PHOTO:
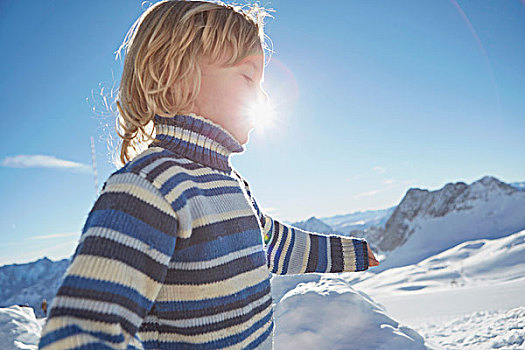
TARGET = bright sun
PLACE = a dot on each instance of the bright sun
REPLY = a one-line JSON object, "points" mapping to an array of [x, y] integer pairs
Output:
{"points": [[261, 116]]}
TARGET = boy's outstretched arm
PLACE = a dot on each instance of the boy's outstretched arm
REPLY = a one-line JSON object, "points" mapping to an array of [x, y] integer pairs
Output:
{"points": [[291, 250], [117, 269]]}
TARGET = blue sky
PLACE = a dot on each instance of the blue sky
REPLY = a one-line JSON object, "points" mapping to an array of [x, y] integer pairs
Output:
{"points": [[372, 98]]}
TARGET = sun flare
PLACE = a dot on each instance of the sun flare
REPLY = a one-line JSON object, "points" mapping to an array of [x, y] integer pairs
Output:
{"points": [[261, 116]]}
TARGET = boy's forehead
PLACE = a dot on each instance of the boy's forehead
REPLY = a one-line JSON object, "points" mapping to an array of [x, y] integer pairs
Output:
{"points": [[256, 60], [251, 58]]}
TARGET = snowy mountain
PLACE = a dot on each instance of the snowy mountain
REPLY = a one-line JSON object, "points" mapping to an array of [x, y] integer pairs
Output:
{"points": [[426, 223], [314, 225], [347, 224], [29, 284], [361, 220], [518, 185]]}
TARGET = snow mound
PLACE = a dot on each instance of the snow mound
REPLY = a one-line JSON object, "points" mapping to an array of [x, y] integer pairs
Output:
{"points": [[19, 328], [317, 311], [479, 330]]}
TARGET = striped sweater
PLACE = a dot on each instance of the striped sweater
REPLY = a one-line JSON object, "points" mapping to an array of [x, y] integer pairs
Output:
{"points": [[176, 253]]}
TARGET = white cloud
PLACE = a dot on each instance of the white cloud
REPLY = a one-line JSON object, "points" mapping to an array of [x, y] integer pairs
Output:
{"points": [[52, 251], [54, 235], [371, 193], [354, 177], [379, 169], [43, 161], [387, 184]]}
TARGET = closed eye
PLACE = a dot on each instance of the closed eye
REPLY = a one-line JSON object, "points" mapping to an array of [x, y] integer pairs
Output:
{"points": [[248, 78]]}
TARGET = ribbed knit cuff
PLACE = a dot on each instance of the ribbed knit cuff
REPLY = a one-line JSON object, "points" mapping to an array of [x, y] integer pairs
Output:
{"points": [[355, 254]]}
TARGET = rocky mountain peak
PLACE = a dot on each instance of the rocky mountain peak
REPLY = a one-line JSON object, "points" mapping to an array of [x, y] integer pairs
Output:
{"points": [[489, 184], [425, 204]]}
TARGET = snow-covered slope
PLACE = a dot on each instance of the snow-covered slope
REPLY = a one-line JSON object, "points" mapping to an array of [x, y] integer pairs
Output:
{"points": [[475, 262], [467, 297], [19, 328], [30, 283]]}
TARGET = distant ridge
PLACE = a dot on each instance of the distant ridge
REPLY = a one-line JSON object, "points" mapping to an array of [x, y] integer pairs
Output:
{"points": [[28, 284], [518, 185]]}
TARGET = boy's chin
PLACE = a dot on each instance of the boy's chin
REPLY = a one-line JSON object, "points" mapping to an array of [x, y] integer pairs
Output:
{"points": [[244, 137]]}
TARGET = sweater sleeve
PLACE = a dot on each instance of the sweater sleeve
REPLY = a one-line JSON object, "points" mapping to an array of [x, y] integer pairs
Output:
{"points": [[117, 269], [290, 250]]}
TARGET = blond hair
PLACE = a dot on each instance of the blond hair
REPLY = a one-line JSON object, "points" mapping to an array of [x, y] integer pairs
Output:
{"points": [[161, 75]]}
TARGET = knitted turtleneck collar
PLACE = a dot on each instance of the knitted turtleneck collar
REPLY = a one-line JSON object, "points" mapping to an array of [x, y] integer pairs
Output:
{"points": [[197, 138]]}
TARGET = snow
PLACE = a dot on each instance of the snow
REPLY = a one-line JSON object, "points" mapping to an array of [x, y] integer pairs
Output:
{"points": [[467, 297], [474, 262], [420, 306], [463, 298], [497, 329], [320, 311], [19, 328]]}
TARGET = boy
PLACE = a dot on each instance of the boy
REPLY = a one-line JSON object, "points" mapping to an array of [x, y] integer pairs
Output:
{"points": [[175, 252]]}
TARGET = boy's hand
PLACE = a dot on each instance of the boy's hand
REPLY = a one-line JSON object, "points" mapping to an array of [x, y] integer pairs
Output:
{"points": [[372, 261]]}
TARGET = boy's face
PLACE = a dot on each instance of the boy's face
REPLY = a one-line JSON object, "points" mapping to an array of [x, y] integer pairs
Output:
{"points": [[228, 93]]}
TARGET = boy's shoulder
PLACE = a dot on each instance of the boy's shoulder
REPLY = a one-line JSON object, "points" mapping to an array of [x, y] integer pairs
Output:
{"points": [[171, 174], [155, 160], [146, 165]]}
